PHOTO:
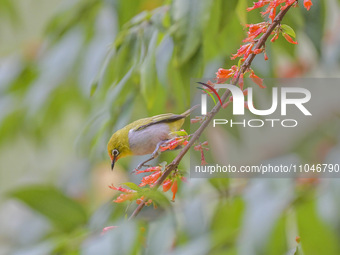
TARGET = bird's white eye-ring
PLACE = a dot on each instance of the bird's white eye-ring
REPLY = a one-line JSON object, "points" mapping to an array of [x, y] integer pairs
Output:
{"points": [[115, 152]]}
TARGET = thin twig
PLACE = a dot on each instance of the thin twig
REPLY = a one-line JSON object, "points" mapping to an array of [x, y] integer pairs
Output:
{"points": [[174, 164]]}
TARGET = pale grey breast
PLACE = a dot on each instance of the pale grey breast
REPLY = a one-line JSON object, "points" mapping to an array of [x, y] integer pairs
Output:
{"points": [[144, 141]]}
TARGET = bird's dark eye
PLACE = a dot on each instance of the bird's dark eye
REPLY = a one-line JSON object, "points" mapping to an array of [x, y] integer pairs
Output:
{"points": [[115, 152]]}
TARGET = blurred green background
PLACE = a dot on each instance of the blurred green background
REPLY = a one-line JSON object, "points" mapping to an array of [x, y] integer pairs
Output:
{"points": [[72, 72]]}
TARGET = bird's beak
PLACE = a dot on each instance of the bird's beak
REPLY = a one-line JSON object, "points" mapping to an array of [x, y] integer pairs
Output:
{"points": [[113, 161]]}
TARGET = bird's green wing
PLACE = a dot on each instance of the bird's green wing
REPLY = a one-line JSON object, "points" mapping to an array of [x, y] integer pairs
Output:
{"points": [[163, 118]]}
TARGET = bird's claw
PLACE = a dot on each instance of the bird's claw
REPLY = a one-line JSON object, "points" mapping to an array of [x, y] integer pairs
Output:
{"points": [[140, 166]]}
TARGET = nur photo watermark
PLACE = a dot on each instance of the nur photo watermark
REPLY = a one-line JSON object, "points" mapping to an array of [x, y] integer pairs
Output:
{"points": [[261, 132]]}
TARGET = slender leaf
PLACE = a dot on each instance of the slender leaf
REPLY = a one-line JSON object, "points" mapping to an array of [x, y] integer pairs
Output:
{"points": [[288, 30], [64, 212]]}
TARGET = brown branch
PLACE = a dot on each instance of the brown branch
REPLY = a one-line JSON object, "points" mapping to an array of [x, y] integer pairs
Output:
{"points": [[174, 164]]}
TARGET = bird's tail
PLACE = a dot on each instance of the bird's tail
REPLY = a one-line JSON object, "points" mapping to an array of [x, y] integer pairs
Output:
{"points": [[187, 113]]}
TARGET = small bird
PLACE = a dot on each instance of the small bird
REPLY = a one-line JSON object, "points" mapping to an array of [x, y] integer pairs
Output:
{"points": [[145, 136]]}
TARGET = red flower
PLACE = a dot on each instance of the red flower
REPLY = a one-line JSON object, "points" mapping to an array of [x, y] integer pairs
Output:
{"points": [[196, 119], [298, 239], [275, 37], [140, 200], [150, 169], [203, 162], [272, 14], [107, 229], [124, 197], [244, 51], [258, 51], [224, 73], [121, 189], [258, 4], [167, 185], [255, 30], [289, 39], [150, 179], [307, 4], [174, 143], [265, 56], [257, 80], [174, 190]]}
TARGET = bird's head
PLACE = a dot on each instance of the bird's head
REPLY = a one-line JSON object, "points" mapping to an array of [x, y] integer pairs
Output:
{"points": [[118, 147]]}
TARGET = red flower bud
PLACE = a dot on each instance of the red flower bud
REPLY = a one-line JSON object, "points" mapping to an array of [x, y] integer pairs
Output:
{"points": [[257, 80], [107, 229], [307, 4], [275, 37], [289, 39], [167, 185], [124, 197], [174, 190], [298, 239], [224, 73]]}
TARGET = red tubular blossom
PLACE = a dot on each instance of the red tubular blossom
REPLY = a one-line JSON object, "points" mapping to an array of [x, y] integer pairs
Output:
{"points": [[140, 200], [272, 8], [148, 170], [121, 189], [258, 4], [275, 37], [167, 185], [173, 144], [174, 189], [150, 179], [184, 179], [203, 162], [258, 51], [108, 229], [224, 73], [192, 121], [124, 197], [257, 80], [255, 30], [289, 39], [298, 239], [288, 3], [307, 4], [272, 14], [244, 51], [265, 56]]}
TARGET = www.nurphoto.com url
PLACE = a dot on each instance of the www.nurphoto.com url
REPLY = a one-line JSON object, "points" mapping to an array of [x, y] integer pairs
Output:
{"points": [[270, 168]]}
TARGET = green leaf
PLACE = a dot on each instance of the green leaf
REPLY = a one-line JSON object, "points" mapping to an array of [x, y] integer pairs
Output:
{"points": [[316, 236], [241, 11], [191, 17], [288, 30], [180, 133], [132, 186], [148, 73], [64, 212], [227, 231], [163, 57]]}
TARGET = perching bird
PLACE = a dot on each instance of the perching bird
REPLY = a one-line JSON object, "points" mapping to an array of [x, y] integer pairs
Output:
{"points": [[145, 136]]}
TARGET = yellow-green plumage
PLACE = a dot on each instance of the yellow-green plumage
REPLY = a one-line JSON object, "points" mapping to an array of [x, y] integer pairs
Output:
{"points": [[141, 136]]}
